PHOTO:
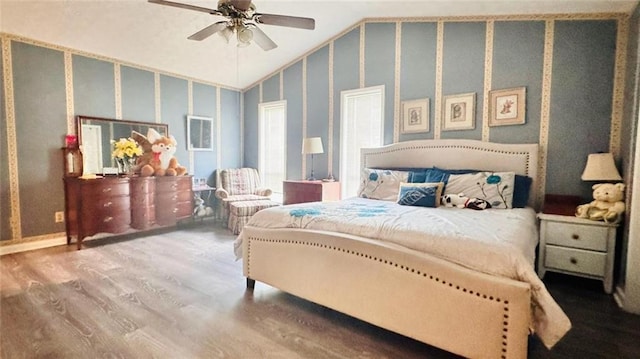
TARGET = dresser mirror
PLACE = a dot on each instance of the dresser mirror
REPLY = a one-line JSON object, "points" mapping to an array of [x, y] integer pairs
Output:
{"points": [[95, 135]]}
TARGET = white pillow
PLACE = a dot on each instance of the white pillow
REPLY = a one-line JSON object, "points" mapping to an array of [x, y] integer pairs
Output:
{"points": [[381, 184], [494, 187]]}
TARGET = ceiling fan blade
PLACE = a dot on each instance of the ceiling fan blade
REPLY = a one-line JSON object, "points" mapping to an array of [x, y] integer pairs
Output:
{"points": [[209, 30], [186, 6], [260, 38], [283, 20]]}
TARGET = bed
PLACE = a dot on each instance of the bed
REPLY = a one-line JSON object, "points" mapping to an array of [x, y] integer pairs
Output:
{"points": [[467, 306]]}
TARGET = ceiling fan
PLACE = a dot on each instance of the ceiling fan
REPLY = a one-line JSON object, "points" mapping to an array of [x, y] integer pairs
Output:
{"points": [[242, 18]]}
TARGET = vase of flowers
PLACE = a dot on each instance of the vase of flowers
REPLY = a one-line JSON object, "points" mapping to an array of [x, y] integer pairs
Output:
{"points": [[125, 152]]}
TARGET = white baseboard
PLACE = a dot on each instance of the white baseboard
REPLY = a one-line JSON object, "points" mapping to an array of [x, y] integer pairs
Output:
{"points": [[29, 246], [619, 296]]}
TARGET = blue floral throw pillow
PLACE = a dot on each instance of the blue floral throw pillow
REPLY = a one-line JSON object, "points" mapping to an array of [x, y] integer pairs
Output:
{"points": [[381, 184], [494, 187], [420, 194]]}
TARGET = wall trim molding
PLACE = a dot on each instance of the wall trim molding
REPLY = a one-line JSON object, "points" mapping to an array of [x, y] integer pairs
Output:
{"points": [[396, 83], [524, 17], [619, 78], [488, 76], [437, 103], [117, 89], [545, 110], [331, 119], [304, 114], [361, 56], [31, 243], [68, 85], [12, 144], [119, 62]]}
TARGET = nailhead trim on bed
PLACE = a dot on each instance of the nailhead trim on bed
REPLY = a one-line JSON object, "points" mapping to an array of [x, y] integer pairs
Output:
{"points": [[505, 327], [475, 148]]}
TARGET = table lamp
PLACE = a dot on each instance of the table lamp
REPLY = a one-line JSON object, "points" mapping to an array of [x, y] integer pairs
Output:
{"points": [[311, 146], [601, 167]]}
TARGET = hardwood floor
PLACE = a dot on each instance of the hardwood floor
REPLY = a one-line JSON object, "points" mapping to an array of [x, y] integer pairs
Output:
{"points": [[182, 295]]}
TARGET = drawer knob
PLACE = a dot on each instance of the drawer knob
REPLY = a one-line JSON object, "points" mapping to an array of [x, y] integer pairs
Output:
{"points": [[575, 236], [108, 219], [105, 190], [108, 204], [573, 260]]}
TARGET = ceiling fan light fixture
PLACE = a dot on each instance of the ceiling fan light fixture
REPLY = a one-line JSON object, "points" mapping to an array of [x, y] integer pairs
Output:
{"points": [[226, 33], [245, 35]]}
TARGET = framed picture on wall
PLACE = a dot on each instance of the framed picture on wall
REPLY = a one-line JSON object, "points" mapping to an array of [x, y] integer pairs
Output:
{"points": [[415, 116], [507, 106], [459, 112], [200, 133]]}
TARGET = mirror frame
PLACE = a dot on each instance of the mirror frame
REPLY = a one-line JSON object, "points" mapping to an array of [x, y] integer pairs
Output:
{"points": [[193, 130], [139, 126]]}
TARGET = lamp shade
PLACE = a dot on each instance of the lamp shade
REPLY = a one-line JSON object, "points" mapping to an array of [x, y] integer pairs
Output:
{"points": [[312, 145], [601, 167]]}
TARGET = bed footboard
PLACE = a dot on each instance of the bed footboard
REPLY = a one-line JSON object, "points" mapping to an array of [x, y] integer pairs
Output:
{"points": [[431, 300]]}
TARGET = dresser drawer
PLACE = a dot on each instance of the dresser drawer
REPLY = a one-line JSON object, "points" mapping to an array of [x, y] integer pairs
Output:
{"points": [[184, 209], [166, 184], [107, 223], [142, 185], [184, 196], [97, 189], [576, 260], [106, 205], [577, 236]]}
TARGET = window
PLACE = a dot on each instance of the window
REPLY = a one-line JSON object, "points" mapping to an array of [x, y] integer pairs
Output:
{"points": [[272, 124], [362, 121]]}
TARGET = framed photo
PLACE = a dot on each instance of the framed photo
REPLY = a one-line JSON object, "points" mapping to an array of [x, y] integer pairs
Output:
{"points": [[200, 133], [459, 112], [415, 116], [507, 106]]}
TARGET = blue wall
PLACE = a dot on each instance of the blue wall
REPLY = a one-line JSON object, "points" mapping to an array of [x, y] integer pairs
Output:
{"points": [[40, 102], [581, 86]]}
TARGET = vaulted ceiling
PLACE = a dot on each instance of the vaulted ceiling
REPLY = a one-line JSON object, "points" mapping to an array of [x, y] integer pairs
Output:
{"points": [[155, 36]]}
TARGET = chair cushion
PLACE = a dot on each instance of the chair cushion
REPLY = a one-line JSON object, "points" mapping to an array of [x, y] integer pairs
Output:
{"points": [[244, 197], [249, 208]]}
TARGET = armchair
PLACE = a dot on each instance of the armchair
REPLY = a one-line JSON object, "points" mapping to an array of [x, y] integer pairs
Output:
{"points": [[240, 184]]}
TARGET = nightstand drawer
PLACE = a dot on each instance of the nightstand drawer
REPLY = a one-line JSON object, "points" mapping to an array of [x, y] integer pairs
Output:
{"points": [[576, 260], [577, 236]]}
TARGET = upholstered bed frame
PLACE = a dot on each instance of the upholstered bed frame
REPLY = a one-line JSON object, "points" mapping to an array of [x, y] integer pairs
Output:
{"points": [[434, 301]]}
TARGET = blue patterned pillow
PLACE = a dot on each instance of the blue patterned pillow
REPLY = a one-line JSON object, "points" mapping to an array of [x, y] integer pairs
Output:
{"points": [[494, 187], [420, 194], [381, 184]]}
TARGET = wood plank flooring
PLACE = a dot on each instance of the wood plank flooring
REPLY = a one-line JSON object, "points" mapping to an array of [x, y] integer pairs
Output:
{"points": [[181, 294]]}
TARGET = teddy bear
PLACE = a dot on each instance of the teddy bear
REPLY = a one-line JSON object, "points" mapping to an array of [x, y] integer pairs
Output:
{"points": [[157, 158], [461, 201], [607, 204]]}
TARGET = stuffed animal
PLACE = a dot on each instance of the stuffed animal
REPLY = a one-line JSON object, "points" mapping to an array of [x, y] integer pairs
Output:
{"points": [[157, 158], [607, 204], [461, 201], [200, 210]]}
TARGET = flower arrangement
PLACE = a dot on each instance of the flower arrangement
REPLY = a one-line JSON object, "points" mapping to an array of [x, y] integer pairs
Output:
{"points": [[125, 152]]}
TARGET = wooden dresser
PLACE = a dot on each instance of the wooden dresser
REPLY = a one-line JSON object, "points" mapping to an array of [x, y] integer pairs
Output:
{"points": [[142, 197], [310, 191], [120, 204]]}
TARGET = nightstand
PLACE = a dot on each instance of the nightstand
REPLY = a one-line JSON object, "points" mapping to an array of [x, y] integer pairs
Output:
{"points": [[310, 191], [578, 247]]}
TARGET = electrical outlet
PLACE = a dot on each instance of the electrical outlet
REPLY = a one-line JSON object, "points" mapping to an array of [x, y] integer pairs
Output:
{"points": [[59, 217]]}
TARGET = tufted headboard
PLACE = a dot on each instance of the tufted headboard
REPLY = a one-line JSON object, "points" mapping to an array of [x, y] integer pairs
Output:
{"points": [[458, 154]]}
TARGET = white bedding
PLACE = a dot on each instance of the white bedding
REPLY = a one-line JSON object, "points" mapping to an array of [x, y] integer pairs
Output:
{"points": [[496, 241]]}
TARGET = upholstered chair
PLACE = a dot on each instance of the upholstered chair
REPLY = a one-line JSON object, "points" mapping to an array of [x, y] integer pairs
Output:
{"points": [[240, 184]]}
